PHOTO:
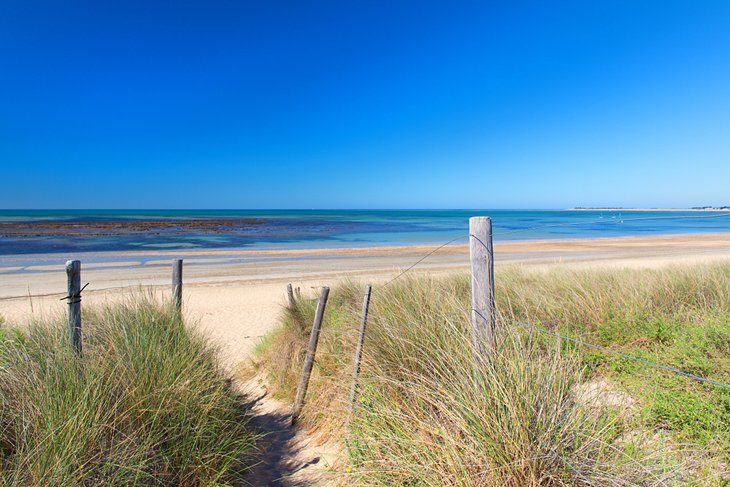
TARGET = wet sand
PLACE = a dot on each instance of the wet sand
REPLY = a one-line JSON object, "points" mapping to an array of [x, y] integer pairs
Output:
{"points": [[237, 295]]}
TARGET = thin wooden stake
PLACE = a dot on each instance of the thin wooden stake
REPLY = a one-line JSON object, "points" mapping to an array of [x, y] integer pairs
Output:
{"points": [[290, 296], [73, 298], [483, 316], [309, 358], [358, 349], [177, 283]]}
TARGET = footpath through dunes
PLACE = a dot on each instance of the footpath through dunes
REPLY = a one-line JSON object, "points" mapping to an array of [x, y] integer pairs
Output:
{"points": [[287, 456]]}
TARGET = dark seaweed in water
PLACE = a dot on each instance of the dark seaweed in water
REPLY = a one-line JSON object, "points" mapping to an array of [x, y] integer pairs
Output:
{"points": [[101, 233], [100, 228]]}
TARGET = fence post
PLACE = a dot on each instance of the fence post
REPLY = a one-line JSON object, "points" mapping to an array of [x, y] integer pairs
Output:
{"points": [[358, 349], [309, 358], [73, 298], [177, 283], [290, 295], [483, 316]]}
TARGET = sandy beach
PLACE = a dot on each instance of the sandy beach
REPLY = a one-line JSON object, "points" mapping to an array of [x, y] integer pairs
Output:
{"points": [[236, 296]]}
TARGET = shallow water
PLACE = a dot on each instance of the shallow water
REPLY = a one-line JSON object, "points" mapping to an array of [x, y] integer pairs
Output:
{"points": [[44, 232]]}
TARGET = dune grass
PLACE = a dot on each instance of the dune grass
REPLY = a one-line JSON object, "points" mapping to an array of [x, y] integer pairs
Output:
{"points": [[541, 411], [147, 405]]}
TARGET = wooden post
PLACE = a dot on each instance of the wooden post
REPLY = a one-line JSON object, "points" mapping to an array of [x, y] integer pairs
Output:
{"points": [[290, 295], [73, 273], [358, 349], [483, 316], [309, 358], [177, 283]]}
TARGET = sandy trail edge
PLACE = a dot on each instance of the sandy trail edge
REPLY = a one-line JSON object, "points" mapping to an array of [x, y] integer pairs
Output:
{"points": [[288, 456]]}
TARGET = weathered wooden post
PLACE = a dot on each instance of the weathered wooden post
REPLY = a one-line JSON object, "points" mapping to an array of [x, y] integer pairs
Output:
{"points": [[483, 316], [290, 296], [358, 349], [309, 358], [73, 298], [177, 283]]}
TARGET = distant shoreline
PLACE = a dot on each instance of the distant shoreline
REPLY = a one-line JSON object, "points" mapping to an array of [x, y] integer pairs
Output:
{"points": [[703, 209]]}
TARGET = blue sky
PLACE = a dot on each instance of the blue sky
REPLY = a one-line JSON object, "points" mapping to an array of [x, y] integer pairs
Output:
{"points": [[235, 104]]}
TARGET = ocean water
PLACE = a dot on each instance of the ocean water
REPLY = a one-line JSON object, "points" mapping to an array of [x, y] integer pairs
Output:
{"points": [[45, 232]]}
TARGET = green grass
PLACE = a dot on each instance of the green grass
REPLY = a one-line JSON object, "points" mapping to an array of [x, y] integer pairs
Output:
{"points": [[427, 414], [147, 404], [677, 317]]}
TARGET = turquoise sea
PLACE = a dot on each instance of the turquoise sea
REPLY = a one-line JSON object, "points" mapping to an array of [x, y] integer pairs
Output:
{"points": [[71, 231]]}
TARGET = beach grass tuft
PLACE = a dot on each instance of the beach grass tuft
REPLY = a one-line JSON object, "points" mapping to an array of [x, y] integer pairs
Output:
{"points": [[539, 411], [146, 405]]}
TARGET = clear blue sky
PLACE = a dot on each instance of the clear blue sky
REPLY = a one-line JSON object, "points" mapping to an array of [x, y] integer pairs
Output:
{"points": [[239, 104]]}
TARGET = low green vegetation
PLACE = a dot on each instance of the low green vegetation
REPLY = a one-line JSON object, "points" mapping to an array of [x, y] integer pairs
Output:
{"points": [[541, 411], [147, 405], [678, 317]]}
